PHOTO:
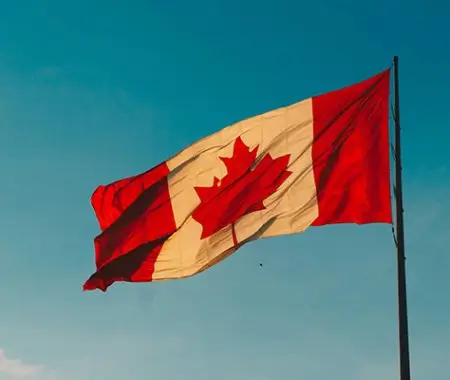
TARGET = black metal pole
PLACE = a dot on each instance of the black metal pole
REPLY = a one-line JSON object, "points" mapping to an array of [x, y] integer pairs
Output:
{"points": [[401, 272]]}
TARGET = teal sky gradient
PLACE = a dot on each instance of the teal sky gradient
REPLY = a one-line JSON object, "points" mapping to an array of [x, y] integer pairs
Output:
{"points": [[93, 91]]}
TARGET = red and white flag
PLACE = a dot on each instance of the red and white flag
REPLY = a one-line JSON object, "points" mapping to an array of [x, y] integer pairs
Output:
{"points": [[324, 160]]}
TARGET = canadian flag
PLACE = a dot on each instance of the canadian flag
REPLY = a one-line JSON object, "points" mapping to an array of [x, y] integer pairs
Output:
{"points": [[324, 160]]}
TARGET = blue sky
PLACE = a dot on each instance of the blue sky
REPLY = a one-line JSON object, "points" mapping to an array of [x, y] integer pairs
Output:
{"points": [[94, 91]]}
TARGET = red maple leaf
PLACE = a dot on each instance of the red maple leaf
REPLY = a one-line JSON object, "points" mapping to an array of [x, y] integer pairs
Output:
{"points": [[242, 191]]}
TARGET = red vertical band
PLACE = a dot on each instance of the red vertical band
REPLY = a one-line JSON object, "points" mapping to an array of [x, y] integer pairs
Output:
{"points": [[351, 153], [136, 216]]}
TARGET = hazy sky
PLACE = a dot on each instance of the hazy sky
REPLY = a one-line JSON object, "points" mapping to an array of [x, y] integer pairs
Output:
{"points": [[93, 91]]}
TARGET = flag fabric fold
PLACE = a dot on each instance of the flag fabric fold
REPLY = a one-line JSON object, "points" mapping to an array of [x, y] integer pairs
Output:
{"points": [[324, 160]]}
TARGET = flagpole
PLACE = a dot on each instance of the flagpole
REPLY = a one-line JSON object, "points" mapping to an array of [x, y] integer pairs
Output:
{"points": [[400, 240]]}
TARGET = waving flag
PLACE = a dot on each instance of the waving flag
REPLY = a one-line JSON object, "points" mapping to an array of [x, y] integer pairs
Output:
{"points": [[324, 160]]}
